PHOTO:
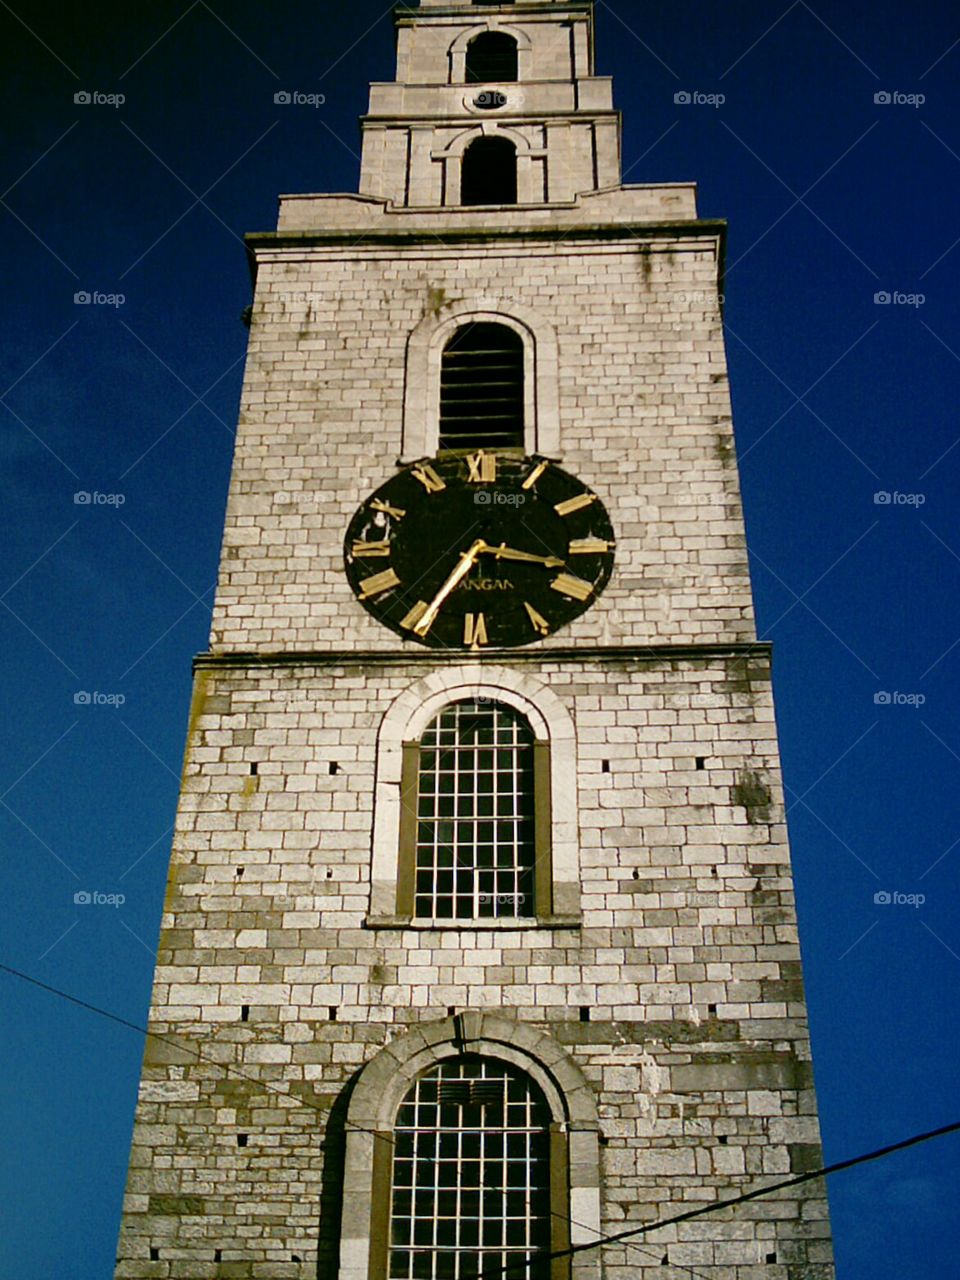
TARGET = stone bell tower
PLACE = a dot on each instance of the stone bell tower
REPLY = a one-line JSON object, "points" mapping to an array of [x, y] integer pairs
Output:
{"points": [[479, 942]]}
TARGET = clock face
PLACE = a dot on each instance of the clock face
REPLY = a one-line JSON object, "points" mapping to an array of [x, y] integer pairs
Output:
{"points": [[481, 550]]}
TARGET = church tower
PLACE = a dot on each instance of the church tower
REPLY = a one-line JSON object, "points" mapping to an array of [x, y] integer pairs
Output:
{"points": [[479, 942]]}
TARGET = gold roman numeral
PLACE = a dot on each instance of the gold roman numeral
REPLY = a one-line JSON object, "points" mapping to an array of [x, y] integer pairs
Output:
{"points": [[575, 504], [482, 467], [428, 477], [540, 624], [474, 630], [379, 583], [414, 616], [379, 505], [588, 547], [371, 548], [535, 475], [576, 588]]}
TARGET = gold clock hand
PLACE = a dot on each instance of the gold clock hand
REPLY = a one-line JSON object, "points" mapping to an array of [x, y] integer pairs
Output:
{"points": [[503, 552], [467, 560]]}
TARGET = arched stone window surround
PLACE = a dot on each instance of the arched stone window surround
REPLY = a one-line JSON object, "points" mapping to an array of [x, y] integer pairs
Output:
{"points": [[405, 721], [376, 1097], [421, 405], [529, 182], [457, 53]]}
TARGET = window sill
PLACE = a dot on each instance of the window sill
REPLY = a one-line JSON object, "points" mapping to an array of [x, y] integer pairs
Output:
{"points": [[475, 926]]}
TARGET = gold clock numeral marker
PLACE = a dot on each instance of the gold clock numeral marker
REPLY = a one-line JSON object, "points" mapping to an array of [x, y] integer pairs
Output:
{"points": [[588, 547], [535, 475], [482, 467], [428, 478], [414, 616], [371, 548], [474, 630], [576, 588], [540, 624], [379, 505], [575, 504], [379, 583]]}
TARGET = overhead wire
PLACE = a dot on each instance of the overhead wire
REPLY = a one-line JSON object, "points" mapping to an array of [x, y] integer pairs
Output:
{"points": [[520, 1267]]}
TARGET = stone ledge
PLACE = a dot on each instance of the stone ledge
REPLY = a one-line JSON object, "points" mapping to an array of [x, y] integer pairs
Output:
{"points": [[474, 926], [760, 649]]}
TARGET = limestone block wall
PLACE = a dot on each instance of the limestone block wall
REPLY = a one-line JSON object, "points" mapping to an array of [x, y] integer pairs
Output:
{"points": [[686, 961], [641, 413]]}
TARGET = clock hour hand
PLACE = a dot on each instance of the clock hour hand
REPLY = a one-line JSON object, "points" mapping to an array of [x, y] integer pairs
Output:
{"points": [[467, 560], [504, 552]]}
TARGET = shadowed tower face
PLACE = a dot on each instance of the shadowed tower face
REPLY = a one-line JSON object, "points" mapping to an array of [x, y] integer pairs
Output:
{"points": [[479, 940]]}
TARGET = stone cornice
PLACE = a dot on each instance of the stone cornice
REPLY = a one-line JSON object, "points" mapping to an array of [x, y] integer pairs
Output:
{"points": [[607, 654]]}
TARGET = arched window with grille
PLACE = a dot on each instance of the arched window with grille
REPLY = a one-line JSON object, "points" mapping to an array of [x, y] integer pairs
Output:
{"points": [[474, 834], [470, 1194], [492, 57], [482, 388], [489, 172]]}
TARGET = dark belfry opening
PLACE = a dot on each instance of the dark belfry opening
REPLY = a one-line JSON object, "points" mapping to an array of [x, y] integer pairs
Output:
{"points": [[481, 389], [489, 172], [492, 57]]}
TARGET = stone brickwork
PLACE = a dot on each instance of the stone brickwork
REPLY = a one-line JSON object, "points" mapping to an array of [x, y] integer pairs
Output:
{"points": [[686, 958], [661, 996], [644, 419]]}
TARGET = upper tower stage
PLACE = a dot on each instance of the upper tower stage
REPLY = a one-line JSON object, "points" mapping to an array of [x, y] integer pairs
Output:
{"points": [[495, 120]]}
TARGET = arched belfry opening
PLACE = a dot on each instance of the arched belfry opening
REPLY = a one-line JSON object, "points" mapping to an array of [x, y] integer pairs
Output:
{"points": [[492, 57], [489, 173], [482, 388]]}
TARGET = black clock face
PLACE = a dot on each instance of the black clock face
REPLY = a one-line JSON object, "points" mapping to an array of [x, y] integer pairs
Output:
{"points": [[483, 550]]}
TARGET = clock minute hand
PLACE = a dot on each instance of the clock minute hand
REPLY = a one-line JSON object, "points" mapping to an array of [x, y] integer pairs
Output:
{"points": [[504, 552], [467, 560]]}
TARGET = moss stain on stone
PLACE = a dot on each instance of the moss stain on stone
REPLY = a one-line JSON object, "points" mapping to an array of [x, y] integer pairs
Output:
{"points": [[753, 794]]}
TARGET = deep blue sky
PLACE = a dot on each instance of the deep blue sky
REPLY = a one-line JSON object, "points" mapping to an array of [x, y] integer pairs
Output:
{"points": [[831, 198]]}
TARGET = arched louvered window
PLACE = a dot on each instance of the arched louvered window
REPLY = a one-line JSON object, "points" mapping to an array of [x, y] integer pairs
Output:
{"points": [[470, 1192], [475, 838], [489, 172], [482, 388], [491, 57]]}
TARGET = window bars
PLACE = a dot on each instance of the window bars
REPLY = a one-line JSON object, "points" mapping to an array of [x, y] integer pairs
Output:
{"points": [[481, 388], [475, 850], [471, 1177]]}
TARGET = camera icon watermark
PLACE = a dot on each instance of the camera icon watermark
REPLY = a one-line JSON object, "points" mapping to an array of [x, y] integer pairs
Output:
{"points": [[896, 298], [883, 698], [94, 98], [84, 698], [886, 898], [694, 98], [94, 898], [294, 98], [886, 498], [497, 498], [94, 498], [490, 100], [94, 298], [894, 98]]}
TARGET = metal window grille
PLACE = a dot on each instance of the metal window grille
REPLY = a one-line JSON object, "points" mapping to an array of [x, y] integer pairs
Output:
{"points": [[471, 1184], [475, 815], [489, 172], [492, 57], [481, 388]]}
